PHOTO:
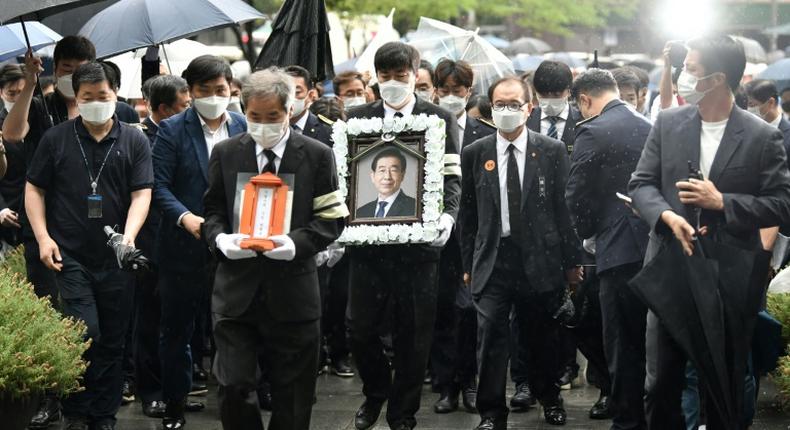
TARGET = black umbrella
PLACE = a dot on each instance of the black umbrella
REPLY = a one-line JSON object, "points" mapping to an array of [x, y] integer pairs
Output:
{"points": [[128, 257], [300, 35], [708, 303], [70, 21]]}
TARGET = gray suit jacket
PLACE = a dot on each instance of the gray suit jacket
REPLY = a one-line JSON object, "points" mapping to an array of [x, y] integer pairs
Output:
{"points": [[750, 170], [402, 206]]}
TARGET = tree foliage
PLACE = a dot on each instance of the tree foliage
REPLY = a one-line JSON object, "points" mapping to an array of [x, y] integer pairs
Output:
{"points": [[560, 16], [407, 12]]}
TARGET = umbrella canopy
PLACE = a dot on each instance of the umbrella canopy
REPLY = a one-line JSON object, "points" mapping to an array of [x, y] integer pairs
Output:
{"points": [[36, 10], [571, 60], [755, 53], [386, 33], [72, 20], [779, 30], [437, 40], [497, 42], [779, 72], [300, 35], [708, 303], [12, 39], [526, 63], [132, 24], [528, 45]]}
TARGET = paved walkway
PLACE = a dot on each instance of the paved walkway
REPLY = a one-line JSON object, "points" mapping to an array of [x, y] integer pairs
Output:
{"points": [[339, 398]]}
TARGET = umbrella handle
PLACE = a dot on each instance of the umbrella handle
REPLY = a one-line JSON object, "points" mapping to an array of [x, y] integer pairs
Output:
{"points": [[38, 89]]}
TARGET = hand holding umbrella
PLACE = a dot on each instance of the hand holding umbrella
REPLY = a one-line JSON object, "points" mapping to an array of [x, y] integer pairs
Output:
{"points": [[129, 258]]}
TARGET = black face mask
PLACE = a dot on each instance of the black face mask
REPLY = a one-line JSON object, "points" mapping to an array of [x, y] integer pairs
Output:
{"points": [[786, 106]]}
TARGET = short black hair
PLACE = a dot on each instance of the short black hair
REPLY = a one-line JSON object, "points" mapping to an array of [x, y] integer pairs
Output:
{"points": [[552, 77], [300, 72], [328, 107], [346, 78], [164, 89], [114, 75], [92, 72], [482, 103], [626, 78], [74, 48], [206, 68], [395, 56], [460, 71], [593, 82], [386, 153], [9, 74], [524, 86], [427, 66], [644, 77], [762, 90], [721, 54]]}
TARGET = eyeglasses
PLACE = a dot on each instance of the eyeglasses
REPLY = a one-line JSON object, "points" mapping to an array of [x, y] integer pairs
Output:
{"points": [[513, 107]]}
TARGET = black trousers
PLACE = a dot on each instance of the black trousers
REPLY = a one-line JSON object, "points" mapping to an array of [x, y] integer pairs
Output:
{"points": [[624, 321], [408, 291], [290, 352], [508, 287], [453, 363], [146, 334], [43, 279], [334, 295], [102, 298]]}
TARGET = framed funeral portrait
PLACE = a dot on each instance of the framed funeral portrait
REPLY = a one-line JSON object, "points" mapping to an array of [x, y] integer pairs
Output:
{"points": [[391, 174]]}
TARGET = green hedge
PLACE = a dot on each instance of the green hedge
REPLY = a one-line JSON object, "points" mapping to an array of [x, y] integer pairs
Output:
{"points": [[779, 306]]}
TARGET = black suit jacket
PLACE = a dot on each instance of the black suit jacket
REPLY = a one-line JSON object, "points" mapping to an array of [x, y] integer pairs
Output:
{"points": [[784, 127], [475, 129], [317, 129], [150, 129], [402, 206], [288, 288], [750, 170], [605, 154], [452, 180], [550, 244], [568, 133]]}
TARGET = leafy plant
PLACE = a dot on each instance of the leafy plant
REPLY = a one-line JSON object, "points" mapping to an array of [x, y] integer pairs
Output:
{"points": [[781, 377], [39, 349], [14, 261], [778, 305]]}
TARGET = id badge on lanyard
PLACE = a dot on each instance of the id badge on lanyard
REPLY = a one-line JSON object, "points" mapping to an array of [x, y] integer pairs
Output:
{"points": [[94, 198]]}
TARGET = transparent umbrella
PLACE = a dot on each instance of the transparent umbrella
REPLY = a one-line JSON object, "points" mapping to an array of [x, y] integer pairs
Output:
{"points": [[437, 40]]}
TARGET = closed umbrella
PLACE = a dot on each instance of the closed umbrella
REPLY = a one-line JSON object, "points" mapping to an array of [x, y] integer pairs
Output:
{"points": [[437, 40], [13, 43], [132, 24], [300, 36]]}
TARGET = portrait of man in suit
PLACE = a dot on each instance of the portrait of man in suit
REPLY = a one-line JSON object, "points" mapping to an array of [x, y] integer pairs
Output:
{"points": [[388, 168]]}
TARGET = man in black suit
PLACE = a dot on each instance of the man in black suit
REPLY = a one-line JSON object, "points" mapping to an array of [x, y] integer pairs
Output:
{"points": [[270, 301], [606, 150], [518, 248], [453, 363], [746, 187], [763, 101], [303, 121], [398, 277], [387, 171]]}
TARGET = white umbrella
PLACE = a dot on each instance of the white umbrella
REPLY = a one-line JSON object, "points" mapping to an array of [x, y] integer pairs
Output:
{"points": [[386, 33]]}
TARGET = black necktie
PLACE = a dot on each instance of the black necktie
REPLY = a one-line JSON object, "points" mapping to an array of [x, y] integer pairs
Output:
{"points": [[269, 167], [552, 131], [398, 115], [513, 195]]}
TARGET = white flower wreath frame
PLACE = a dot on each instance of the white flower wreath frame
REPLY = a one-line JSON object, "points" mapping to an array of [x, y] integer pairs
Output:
{"points": [[433, 184]]}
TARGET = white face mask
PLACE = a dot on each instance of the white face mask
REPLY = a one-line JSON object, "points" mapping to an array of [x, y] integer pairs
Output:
{"points": [[235, 105], [265, 134], [507, 121], [299, 105], [552, 107], [64, 86], [687, 88], [454, 104], [8, 105], [96, 112], [350, 102], [395, 93], [211, 107], [755, 110], [425, 95]]}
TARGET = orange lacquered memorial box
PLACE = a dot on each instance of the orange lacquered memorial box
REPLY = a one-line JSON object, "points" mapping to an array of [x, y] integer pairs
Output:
{"points": [[264, 211]]}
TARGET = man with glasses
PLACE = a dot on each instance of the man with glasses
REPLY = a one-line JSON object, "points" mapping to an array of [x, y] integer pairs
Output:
{"points": [[518, 249]]}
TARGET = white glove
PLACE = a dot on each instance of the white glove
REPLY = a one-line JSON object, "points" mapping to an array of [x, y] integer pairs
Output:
{"points": [[322, 257], [229, 245], [335, 254], [589, 245], [446, 223], [285, 251]]}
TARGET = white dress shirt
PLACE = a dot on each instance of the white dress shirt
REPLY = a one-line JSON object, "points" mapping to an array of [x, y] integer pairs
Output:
{"points": [[216, 136], [520, 152], [301, 123], [776, 122], [462, 124], [278, 149], [560, 124], [709, 140], [389, 111], [390, 200]]}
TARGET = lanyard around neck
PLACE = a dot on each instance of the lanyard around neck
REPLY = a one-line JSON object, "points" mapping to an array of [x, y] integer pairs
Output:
{"points": [[94, 181]]}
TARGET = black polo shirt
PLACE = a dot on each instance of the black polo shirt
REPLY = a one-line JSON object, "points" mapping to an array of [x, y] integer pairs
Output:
{"points": [[58, 168]]}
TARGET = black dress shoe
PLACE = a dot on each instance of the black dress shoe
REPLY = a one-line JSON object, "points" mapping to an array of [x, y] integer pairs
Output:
{"points": [[72, 423], [155, 409], [199, 373], [523, 399], [600, 410], [174, 415], [554, 413], [368, 414], [265, 397], [191, 406], [48, 413], [198, 389], [491, 424], [342, 367], [448, 402], [469, 396], [127, 393]]}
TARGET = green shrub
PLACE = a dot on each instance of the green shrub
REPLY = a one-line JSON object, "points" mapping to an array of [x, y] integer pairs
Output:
{"points": [[778, 305], [14, 261], [39, 349], [781, 377]]}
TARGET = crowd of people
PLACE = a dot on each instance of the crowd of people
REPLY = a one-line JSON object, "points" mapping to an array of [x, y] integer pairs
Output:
{"points": [[532, 232]]}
